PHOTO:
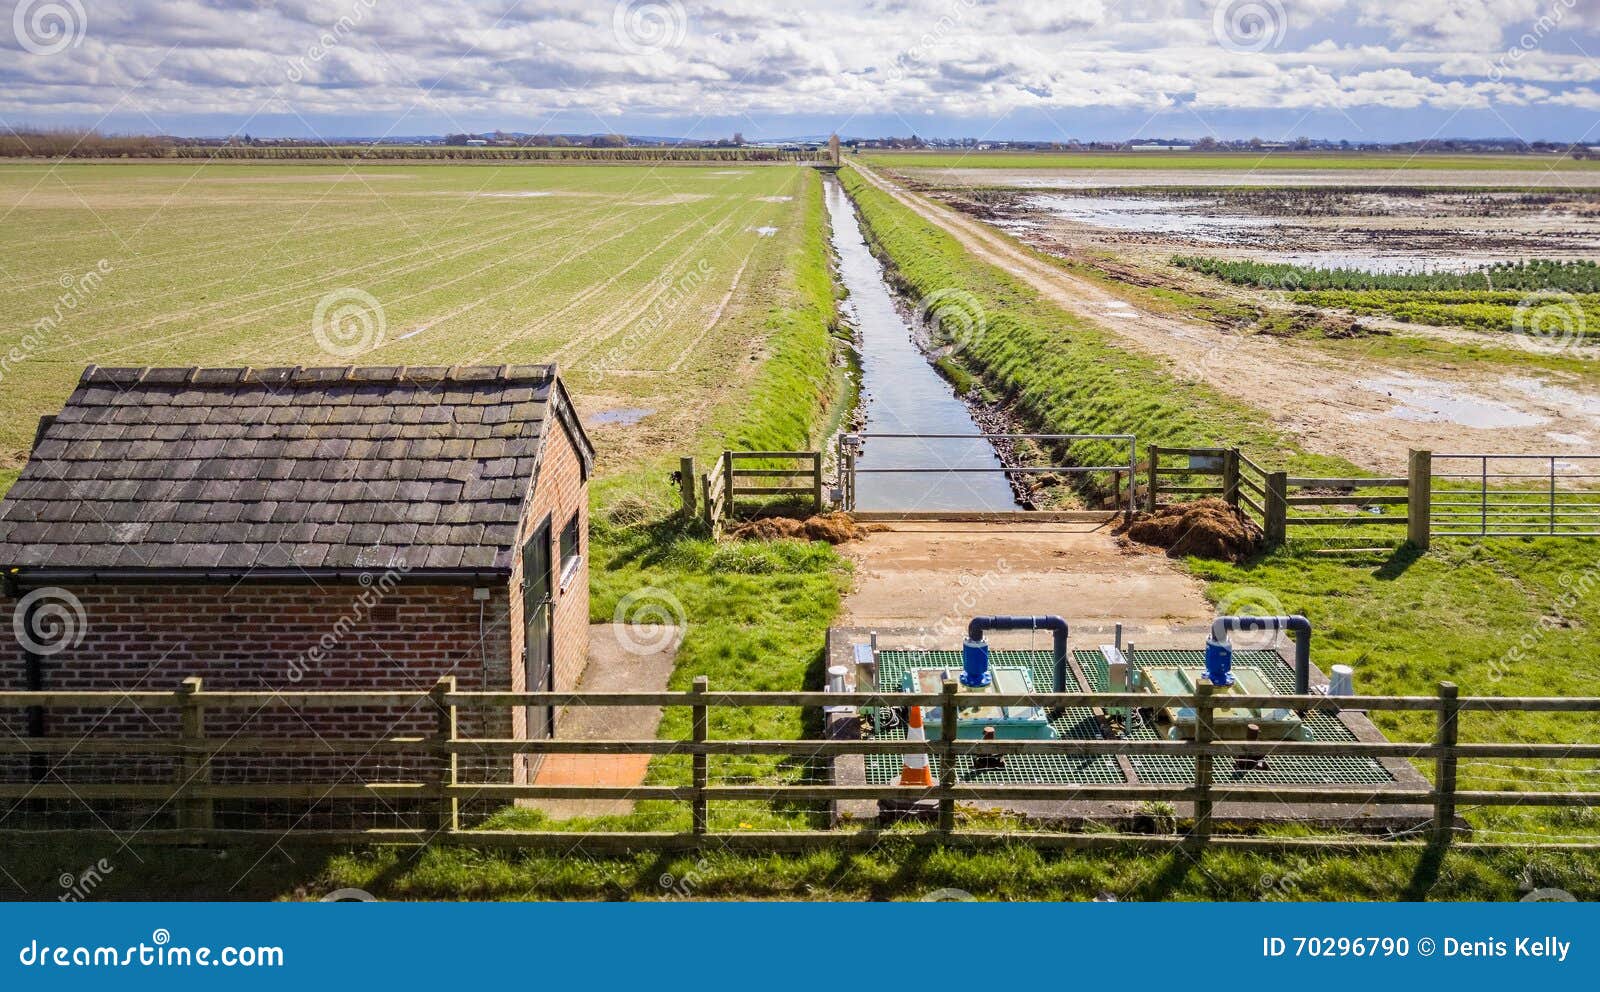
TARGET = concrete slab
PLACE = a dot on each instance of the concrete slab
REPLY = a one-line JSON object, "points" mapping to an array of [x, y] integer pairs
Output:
{"points": [[937, 574], [616, 664]]}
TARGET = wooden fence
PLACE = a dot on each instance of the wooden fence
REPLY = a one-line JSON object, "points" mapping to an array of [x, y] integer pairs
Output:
{"points": [[194, 793], [1278, 501], [713, 496]]}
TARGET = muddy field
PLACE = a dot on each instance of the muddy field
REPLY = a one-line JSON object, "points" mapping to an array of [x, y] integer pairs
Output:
{"points": [[1377, 229]]}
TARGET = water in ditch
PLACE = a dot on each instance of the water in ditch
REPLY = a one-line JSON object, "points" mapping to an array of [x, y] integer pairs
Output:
{"points": [[902, 394]]}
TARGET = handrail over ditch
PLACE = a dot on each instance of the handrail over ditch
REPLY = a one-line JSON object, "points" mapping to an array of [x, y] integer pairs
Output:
{"points": [[849, 447]]}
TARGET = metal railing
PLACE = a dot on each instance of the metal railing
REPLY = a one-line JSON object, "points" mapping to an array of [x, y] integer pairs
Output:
{"points": [[1499, 495], [849, 447]]}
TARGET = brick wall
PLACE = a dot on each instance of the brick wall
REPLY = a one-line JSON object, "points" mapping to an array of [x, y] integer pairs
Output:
{"points": [[391, 634], [561, 491]]}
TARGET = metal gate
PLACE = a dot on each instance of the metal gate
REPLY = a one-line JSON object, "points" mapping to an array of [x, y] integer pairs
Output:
{"points": [[1541, 495], [850, 447]]}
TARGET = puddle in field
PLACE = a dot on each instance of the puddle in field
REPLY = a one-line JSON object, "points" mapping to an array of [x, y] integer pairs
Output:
{"points": [[902, 394], [1561, 438], [622, 416], [1131, 213], [765, 232], [1585, 403], [1388, 263], [1432, 402]]}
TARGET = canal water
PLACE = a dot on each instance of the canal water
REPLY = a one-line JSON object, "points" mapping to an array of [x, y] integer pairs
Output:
{"points": [[901, 393]]}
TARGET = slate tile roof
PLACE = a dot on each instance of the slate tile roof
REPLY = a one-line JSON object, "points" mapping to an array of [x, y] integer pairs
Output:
{"points": [[283, 469]]}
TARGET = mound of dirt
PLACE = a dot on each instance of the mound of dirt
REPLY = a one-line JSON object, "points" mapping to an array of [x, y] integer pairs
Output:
{"points": [[835, 528], [1205, 528]]}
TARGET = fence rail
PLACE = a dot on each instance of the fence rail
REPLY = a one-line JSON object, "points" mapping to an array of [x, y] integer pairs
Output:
{"points": [[1533, 495], [194, 794], [713, 497]]}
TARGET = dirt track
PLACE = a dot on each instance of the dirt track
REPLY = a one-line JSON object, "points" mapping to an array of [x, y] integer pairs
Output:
{"points": [[1366, 411]]}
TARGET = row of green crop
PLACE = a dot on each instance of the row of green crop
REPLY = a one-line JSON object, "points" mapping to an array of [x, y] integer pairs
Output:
{"points": [[1554, 317], [1533, 275]]}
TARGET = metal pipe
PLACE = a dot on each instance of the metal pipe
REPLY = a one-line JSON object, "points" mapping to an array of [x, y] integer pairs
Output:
{"points": [[1057, 627], [1299, 625]]}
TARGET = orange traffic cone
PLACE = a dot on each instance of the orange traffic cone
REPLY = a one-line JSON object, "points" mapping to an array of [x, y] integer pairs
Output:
{"points": [[914, 767]]}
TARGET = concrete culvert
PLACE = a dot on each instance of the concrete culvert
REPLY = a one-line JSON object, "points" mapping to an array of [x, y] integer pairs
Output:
{"points": [[1204, 528]]}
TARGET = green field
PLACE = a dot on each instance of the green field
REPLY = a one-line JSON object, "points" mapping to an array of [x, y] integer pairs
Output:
{"points": [[1265, 161], [647, 284]]}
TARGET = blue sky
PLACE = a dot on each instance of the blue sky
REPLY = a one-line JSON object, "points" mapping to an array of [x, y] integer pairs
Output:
{"points": [[1364, 70]]}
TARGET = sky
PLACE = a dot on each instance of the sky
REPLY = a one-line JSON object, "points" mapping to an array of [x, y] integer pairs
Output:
{"points": [[1360, 70]]}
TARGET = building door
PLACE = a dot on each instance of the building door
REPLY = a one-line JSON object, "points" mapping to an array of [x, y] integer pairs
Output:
{"points": [[537, 643]]}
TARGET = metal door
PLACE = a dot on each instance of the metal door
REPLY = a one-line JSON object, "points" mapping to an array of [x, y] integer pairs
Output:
{"points": [[537, 641]]}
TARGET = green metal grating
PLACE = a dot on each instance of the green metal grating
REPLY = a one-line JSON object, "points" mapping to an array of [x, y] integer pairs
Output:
{"points": [[1078, 722], [1281, 770]]}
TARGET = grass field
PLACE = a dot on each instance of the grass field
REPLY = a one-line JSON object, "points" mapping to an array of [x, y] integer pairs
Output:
{"points": [[1265, 161], [644, 283]]}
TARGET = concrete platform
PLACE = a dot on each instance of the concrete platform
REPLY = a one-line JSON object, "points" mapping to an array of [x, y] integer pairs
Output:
{"points": [[1128, 815], [934, 574]]}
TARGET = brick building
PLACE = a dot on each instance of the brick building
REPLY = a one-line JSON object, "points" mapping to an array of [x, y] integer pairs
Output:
{"points": [[298, 529]]}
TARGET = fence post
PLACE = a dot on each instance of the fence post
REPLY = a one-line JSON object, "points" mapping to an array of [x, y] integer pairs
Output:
{"points": [[195, 769], [1276, 524], [947, 757], [686, 478], [727, 484], [1204, 734], [702, 733], [816, 478], [1444, 766], [449, 815], [1230, 477], [706, 508], [1419, 498], [1155, 462]]}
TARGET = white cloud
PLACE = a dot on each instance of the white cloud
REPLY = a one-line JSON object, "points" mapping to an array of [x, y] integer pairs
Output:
{"points": [[464, 59]]}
